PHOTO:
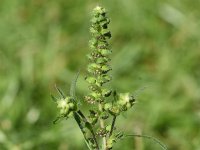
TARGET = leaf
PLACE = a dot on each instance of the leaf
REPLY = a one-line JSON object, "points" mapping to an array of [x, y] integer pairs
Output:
{"points": [[54, 98], [115, 95], [163, 146], [58, 119], [73, 86], [60, 92], [140, 90]]}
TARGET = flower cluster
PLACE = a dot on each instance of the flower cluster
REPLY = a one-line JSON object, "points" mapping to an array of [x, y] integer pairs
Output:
{"points": [[123, 102], [97, 76], [66, 106], [99, 57]]}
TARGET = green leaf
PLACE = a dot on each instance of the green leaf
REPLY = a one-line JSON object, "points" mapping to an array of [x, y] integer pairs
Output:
{"points": [[54, 98], [60, 92], [163, 146]]}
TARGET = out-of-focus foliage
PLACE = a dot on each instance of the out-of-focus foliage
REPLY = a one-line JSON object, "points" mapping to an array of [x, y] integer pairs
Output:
{"points": [[155, 44]]}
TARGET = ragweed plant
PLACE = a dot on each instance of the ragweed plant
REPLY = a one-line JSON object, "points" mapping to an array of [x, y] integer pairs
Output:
{"points": [[99, 128]]}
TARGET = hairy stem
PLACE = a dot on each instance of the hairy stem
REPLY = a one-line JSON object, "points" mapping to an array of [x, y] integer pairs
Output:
{"points": [[89, 127], [102, 125], [112, 126], [78, 121]]}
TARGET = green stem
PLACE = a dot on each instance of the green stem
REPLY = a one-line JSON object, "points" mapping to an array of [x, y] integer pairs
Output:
{"points": [[102, 125], [112, 126], [78, 121], [89, 126]]}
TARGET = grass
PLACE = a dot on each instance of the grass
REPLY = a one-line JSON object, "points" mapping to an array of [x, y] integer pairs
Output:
{"points": [[156, 43]]}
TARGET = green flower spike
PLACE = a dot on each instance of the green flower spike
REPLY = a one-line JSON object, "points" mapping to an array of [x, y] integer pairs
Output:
{"points": [[99, 57]]}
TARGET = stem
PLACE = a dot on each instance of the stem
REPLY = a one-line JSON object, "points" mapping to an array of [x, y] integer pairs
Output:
{"points": [[89, 127], [112, 126], [82, 116], [78, 121], [102, 126]]}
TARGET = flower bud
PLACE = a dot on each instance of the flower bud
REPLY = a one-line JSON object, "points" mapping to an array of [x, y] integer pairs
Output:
{"points": [[107, 106], [106, 92], [90, 79]]}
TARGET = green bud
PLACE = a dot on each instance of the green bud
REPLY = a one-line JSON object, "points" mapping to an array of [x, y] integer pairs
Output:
{"points": [[96, 95], [107, 77], [124, 97], [101, 18], [123, 108], [97, 72], [104, 23], [106, 33], [103, 45], [94, 55], [132, 100], [70, 114], [128, 105], [105, 52], [104, 115], [107, 106], [106, 92], [102, 132], [64, 111], [103, 79], [61, 103], [105, 68], [92, 30], [102, 60], [93, 43], [93, 120], [72, 106], [94, 66], [108, 128], [94, 87], [90, 79], [115, 111], [90, 99], [99, 11], [93, 116], [94, 20]]}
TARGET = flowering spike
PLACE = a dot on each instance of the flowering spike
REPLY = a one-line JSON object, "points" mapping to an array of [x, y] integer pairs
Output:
{"points": [[99, 56]]}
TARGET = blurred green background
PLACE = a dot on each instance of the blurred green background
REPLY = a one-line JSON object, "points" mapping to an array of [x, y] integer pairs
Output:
{"points": [[155, 45]]}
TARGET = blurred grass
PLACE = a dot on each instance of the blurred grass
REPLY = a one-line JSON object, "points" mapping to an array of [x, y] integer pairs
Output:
{"points": [[155, 44]]}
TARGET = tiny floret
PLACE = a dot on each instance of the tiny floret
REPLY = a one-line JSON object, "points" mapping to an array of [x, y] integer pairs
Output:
{"points": [[61, 103]]}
